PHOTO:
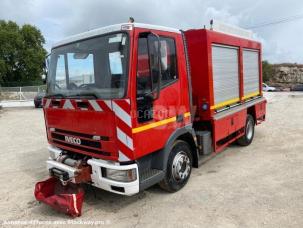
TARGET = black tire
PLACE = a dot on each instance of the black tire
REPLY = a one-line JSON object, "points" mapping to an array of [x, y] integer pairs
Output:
{"points": [[175, 180], [248, 137]]}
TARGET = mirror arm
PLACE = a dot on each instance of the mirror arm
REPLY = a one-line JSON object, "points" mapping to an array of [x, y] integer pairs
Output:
{"points": [[159, 67], [46, 68]]}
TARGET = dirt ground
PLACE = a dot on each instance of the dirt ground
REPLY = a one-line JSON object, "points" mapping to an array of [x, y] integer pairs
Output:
{"points": [[256, 186]]}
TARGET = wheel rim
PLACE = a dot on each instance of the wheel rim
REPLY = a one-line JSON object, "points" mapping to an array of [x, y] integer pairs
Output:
{"points": [[181, 166], [249, 130]]}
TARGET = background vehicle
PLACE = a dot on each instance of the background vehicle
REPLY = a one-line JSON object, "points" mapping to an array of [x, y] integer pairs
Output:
{"points": [[132, 105], [38, 99], [267, 88], [298, 87]]}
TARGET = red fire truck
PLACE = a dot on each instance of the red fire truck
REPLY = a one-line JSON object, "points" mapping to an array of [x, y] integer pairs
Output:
{"points": [[132, 105]]}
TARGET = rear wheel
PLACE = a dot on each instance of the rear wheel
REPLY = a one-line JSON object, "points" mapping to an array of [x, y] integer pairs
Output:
{"points": [[248, 137], [179, 167]]}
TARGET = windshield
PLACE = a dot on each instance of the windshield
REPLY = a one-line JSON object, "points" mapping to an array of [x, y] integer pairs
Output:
{"points": [[95, 67]]}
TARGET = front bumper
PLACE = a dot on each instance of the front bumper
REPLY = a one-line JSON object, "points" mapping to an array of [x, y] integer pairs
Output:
{"points": [[123, 188]]}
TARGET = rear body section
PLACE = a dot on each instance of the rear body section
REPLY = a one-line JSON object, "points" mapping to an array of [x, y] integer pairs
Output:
{"points": [[225, 70], [226, 83]]}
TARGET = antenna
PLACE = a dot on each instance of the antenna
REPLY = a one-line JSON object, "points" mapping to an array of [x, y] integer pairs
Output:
{"points": [[211, 24], [131, 20]]}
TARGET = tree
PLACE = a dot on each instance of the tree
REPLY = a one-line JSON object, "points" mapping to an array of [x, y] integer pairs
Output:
{"points": [[22, 56], [267, 71]]}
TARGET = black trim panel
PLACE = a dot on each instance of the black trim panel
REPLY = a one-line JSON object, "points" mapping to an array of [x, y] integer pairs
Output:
{"points": [[97, 152]]}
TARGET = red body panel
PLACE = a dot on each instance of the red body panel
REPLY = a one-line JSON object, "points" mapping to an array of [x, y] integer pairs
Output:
{"points": [[228, 125], [200, 55], [173, 101], [71, 122], [91, 122], [260, 112]]}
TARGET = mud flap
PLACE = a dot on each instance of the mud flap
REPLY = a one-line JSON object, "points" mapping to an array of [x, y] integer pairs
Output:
{"points": [[67, 199]]}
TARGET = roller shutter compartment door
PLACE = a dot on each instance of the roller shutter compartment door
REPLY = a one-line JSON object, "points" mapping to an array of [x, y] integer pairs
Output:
{"points": [[225, 64], [251, 74]]}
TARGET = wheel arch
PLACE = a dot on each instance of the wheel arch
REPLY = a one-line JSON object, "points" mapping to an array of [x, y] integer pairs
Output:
{"points": [[188, 137], [186, 134], [252, 111]]}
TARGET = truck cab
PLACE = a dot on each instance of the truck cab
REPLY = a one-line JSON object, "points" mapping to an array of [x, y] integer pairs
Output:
{"points": [[117, 94], [120, 112]]}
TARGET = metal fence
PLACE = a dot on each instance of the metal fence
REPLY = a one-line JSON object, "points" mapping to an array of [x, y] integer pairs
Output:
{"points": [[24, 93]]}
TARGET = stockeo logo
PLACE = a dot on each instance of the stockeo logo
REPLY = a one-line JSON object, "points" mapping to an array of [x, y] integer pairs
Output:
{"points": [[72, 140]]}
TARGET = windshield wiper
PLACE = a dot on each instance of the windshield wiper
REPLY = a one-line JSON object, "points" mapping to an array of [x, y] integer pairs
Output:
{"points": [[55, 95], [84, 95]]}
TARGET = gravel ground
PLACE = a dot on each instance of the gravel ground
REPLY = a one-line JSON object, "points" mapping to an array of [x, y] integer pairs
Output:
{"points": [[256, 186], [16, 104]]}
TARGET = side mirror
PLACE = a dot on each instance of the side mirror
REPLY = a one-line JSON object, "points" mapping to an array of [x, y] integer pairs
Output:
{"points": [[44, 77], [155, 63], [46, 67]]}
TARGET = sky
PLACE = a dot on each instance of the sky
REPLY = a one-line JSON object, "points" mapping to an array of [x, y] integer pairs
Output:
{"points": [[58, 19]]}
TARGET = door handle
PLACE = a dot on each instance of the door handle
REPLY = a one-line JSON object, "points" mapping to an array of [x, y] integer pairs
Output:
{"points": [[180, 118]]}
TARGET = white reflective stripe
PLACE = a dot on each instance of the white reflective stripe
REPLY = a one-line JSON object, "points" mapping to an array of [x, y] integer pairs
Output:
{"points": [[124, 116], [95, 105], [109, 104], [125, 139], [75, 203], [123, 157], [68, 105], [47, 103], [127, 100]]}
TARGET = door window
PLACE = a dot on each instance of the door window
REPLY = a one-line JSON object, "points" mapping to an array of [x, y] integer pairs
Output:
{"points": [[144, 84], [146, 64], [168, 64], [168, 60]]}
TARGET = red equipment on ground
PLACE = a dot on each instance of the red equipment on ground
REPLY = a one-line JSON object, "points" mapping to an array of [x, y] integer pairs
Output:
{"points": [[67, 199]]}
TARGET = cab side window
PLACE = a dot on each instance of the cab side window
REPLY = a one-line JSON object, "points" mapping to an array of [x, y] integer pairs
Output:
{"points": [[144, 64], [168, 60]]}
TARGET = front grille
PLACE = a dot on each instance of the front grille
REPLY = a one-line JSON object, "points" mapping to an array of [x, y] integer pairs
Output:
{"points": [[84, 142], [97, 152], [79, 141], [104, 138], [74, 133]]}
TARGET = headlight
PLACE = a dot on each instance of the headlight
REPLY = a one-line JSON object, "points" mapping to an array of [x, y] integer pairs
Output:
{"points": [[120, 175]]}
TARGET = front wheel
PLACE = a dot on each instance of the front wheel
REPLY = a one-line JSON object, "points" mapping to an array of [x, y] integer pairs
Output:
{"points": [[248, 137], [179, 167]]}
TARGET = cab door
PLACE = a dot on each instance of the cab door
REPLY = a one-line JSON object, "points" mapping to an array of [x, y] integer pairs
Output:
{"points": [[158, 115]]}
